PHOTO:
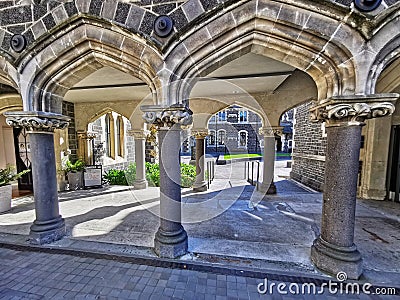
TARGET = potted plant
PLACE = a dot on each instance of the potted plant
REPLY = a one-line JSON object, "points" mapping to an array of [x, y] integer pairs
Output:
{"points": [[74, 173], [7, 176]]}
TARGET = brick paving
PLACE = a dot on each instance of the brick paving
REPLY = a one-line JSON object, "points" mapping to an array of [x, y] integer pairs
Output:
{"points": [[37, 275]]}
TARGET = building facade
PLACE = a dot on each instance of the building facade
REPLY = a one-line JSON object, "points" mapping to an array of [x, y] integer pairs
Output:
{"points": [[234, 130]]}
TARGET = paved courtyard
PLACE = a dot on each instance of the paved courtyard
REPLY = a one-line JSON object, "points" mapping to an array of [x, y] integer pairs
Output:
{"points": [[32, 275], [231, 226]]}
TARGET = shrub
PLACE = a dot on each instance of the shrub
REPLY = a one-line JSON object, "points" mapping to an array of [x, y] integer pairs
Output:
{"points": [[188, 175], [8, 175], [115, 177], [130, 174], [77, 166], [153, 174]]}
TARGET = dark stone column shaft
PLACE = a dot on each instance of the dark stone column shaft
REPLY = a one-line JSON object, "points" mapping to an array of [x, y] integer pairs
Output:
{"points": [[342, 162], [48, 226], [171, 238], [334, 250]]}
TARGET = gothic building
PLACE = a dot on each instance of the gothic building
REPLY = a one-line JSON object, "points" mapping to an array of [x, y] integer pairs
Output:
{"points": [[234, 130]]}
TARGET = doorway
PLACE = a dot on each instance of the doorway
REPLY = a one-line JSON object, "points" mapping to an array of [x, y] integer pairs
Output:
{"points": [[393, 183], [23, 158]]}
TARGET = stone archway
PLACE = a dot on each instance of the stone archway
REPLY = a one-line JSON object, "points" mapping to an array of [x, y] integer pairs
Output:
{"points": [[47, 74], [332, 56]]}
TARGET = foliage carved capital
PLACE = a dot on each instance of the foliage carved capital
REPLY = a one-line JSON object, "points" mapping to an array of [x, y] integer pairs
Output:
{"points": [[166, 117], [353, 110], [200, 134], [37, 121]]}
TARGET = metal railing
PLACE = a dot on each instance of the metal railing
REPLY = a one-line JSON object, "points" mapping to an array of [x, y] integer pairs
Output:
{"points": [[252, 172], [210, 172]]}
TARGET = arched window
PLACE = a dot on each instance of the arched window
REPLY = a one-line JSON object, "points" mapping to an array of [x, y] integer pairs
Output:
{"points": [[243, 116], [120, 136], [109, 135], [211, 138], [222, 116], [221, 137], [242, 139]]}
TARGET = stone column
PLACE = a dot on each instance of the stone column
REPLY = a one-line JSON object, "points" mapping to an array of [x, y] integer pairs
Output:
{"points": [[200, 184], [268, 185], [334, 250], [375, 157], [171, 239], [140, 182], [84, 138], [48, 226]]}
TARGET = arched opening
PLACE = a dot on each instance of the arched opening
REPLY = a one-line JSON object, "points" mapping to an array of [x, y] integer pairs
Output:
{"points": [[111, 146], [384, 137], [14, 142], [102, 104]]}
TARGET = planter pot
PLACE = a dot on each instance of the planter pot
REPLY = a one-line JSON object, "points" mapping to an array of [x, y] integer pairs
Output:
{"points": [[75, 180], [5, 198]]}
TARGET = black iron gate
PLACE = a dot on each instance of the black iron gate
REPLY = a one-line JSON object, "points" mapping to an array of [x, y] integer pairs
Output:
{"points": [[23, 158], [393, 183]]}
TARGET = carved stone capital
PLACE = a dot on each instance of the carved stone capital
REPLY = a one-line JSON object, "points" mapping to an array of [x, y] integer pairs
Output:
{"points": [[167, 116], [37, 121], [200, 134], [86, 135], [353, 110], [270, 131], [138, 134]]}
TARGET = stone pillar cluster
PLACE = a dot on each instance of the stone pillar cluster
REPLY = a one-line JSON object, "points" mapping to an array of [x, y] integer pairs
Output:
{"points": [[200, 184], [334, 250], [48, 226], [171, 239]]}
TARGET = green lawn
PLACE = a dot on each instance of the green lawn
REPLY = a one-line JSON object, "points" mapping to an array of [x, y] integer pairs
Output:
{"points": [[244, 155], [283, 154]]}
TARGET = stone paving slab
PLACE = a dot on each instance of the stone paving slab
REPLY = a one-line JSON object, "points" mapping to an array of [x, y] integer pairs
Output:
{"points": [[35, 275], [275, 233]]}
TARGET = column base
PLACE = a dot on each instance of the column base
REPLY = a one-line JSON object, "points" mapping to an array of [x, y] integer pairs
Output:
{"points": [[47, 232], [333, 259], [171, 244], [200, 186], [269, 189], [140, 184]]}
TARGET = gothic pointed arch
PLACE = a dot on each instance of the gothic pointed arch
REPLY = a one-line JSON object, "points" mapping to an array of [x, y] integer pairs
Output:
{"points": [[86, 47], [283, 31], [385, 46]]}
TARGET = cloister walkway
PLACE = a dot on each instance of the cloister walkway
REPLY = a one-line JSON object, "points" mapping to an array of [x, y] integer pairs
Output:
{"points": [[230, 224]]}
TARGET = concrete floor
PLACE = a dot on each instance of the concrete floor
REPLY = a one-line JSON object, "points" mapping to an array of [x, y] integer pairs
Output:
{"points": [[231, 224]]}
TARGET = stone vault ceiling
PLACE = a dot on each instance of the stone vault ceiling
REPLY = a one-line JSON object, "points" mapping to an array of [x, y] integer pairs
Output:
{"points": [[251, 73]]}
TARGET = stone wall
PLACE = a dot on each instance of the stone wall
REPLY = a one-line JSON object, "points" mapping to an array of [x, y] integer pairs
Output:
{"points": [[160, 7], [129, 144], [309, 150], [36, 20], [69, 110]]}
